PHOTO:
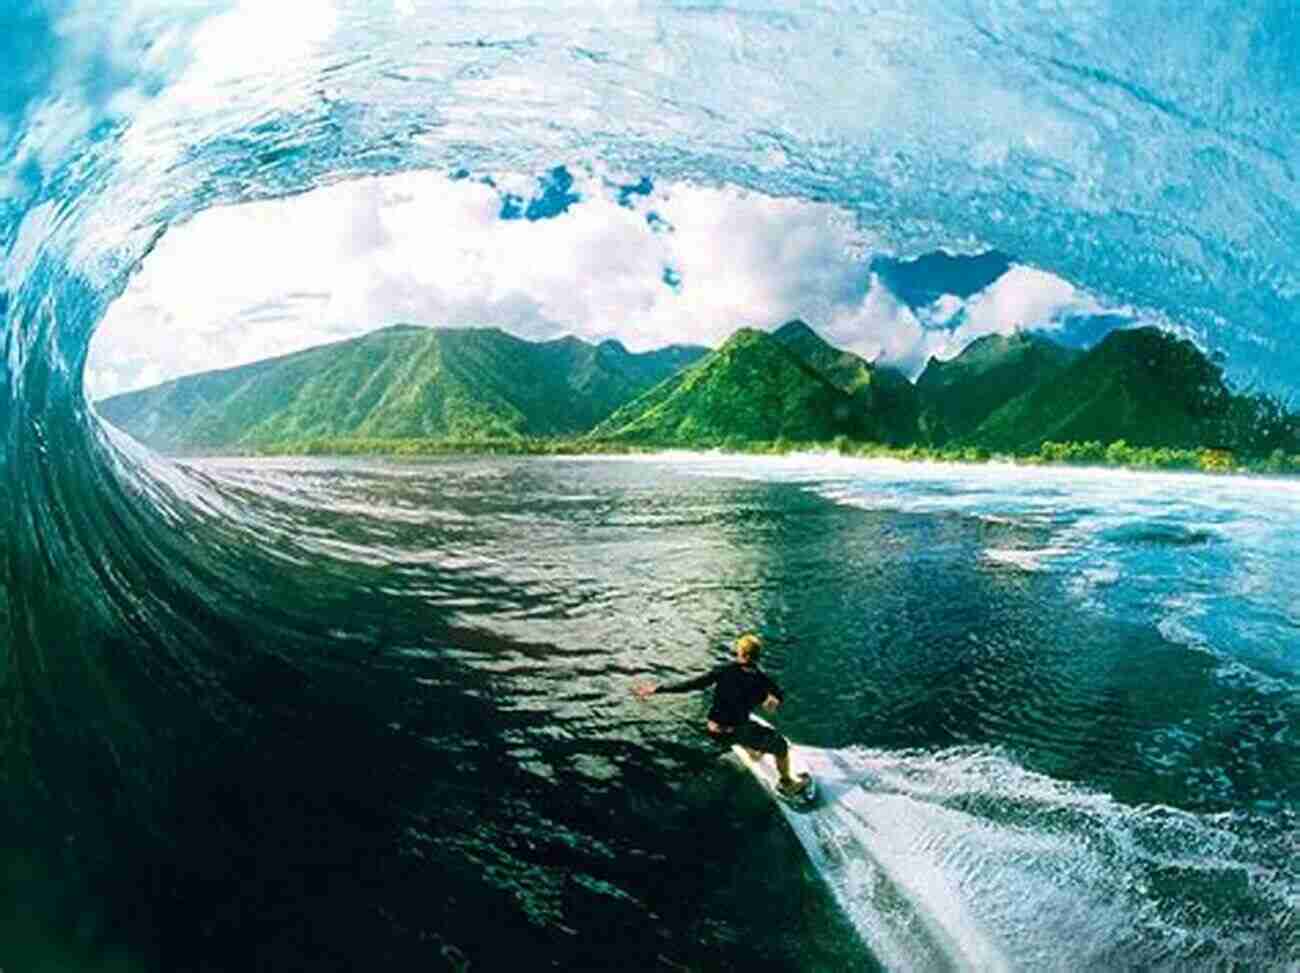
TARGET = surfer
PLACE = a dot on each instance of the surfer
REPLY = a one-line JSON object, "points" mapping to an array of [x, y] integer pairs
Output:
{"points": [[738, 687]]}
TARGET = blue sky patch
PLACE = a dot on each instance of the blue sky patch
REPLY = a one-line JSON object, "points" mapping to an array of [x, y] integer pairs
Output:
{"points": [[923, 280], [512, 207], [1085, 330], [555, 196], [658, 223], [643, 188]]}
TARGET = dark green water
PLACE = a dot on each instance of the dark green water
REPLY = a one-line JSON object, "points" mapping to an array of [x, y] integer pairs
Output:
{"points": [[444, 767]]}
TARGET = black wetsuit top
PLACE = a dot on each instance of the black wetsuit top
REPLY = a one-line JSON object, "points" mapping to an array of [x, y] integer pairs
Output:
{"points": [[737, 690]]}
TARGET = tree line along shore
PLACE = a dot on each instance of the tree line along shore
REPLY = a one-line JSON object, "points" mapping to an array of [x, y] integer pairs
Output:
{"points": [[1115, 454], [1140, 398]]}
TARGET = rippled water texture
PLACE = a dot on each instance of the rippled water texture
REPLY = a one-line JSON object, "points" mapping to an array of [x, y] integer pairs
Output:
{"points": [[277, 717]]}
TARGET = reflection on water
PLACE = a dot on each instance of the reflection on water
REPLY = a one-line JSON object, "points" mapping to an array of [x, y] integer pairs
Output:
{"points": [[557, 583]]}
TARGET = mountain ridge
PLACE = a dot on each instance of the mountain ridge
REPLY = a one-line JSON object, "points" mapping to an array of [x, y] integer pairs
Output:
{"points": [[399, 381], [963, 391], [1002, 393], [752, 387], [1142, 385]]}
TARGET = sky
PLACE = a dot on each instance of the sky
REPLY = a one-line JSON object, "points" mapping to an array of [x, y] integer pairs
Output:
{"points": [[571, 251]]}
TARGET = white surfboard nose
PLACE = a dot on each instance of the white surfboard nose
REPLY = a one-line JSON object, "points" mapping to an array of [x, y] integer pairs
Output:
{"points": [[765, 770]]}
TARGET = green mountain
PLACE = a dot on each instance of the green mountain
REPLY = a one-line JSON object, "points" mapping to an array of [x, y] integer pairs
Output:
{"points": [[1003, 394], [398, 382], [752, 388], [1144, 386], [888, 403], [843, 369], [959, 394]]}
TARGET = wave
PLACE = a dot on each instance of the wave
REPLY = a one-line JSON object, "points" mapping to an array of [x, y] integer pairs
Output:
{"points": [[165, 634]]}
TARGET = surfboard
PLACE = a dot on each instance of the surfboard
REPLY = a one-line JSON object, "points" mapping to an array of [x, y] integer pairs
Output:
{"points": [[765, 771]]}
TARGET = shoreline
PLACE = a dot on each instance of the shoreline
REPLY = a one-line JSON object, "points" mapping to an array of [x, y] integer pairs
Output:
{"points": [[1091, 455]]}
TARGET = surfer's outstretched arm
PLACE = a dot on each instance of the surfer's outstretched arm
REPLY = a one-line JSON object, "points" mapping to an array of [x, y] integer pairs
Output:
{"points": [[648, 689]]}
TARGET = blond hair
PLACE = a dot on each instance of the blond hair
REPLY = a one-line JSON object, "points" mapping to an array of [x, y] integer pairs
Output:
{"points": [[750, 645]]}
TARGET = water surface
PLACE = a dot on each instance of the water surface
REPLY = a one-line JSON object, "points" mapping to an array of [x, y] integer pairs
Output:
{"points": [[1053, 706]]}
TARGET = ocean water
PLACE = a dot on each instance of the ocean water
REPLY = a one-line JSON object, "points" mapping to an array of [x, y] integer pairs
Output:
{"points": [[1053, 712], [358, 715]]}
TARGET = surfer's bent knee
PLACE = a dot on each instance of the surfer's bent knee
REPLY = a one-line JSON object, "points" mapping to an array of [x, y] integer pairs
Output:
{"points": [[761, 738]]}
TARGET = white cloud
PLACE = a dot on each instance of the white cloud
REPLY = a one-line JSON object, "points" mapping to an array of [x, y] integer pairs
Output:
{"points": [[883, 329], [246, 282], [944, 309], [1024, 297], [227, 288]]}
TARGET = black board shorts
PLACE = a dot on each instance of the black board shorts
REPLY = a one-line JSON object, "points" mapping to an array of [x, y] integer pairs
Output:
{"points": [[753, 735]]}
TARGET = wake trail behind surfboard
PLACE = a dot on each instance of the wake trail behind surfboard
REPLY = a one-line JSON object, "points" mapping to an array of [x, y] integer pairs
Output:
{"points": [[908, 915], [962, 860]]}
